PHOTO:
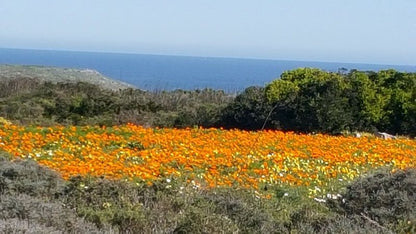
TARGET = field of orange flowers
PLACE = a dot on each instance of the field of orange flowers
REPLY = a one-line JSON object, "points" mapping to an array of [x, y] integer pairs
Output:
{"points": [[205, 157]]}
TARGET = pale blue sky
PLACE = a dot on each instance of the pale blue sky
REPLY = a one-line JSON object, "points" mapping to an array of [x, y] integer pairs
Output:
{"points": [[365, 31]]}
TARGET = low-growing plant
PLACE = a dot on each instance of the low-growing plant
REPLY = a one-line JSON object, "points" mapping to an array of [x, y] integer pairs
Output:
{"points": [[384, 199], [28, 201], [28, 177]]}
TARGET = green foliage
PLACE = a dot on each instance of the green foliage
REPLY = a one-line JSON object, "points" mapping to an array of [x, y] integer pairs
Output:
{"points": [[87, 104], [315, 101], [281, 91], [402, 105], [248, 110], [330, 102], [105, 202], [368, 99]]}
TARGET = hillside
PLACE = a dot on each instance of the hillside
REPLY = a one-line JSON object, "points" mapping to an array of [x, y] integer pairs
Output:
{"points": [[55, 75]]}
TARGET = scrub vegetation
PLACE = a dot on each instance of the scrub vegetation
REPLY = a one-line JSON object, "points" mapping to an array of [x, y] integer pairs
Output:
{"points": [[302, 100]]}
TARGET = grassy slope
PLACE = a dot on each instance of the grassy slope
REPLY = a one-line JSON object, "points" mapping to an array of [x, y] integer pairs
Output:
{"points": [[54, 74]]}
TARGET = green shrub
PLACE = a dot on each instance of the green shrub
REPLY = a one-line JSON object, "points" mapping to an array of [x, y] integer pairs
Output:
{"points": [[23, 213], [29, 204], [383, 199], [103, 201], [197, 220], [28, 177], [249, 110]]}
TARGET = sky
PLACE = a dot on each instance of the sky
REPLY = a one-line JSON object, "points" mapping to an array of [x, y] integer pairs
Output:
{"points": [[357, 31]]}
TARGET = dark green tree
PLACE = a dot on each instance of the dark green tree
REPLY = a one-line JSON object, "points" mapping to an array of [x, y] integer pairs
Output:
{"points": [[316, 100], [248, 110]]}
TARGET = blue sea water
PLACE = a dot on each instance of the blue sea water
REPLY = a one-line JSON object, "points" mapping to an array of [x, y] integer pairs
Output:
{"points": [[162, 72]]}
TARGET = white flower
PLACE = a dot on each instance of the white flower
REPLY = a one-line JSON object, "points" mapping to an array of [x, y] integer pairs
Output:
{"points": [[168, 180], [331, 196], [319, 200], [286, 194]]}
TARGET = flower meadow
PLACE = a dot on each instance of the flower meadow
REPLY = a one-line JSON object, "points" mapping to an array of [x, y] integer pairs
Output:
{"points": [[207, 158]]}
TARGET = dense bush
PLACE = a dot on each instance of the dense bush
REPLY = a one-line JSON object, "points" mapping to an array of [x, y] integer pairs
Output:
{"points": [[249, 110], [32, 102], [385, 199], [315, 98], [335, 102], [28, 201]]}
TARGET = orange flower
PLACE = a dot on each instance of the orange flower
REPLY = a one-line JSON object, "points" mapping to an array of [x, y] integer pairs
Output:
{"points": [[211, 157]]}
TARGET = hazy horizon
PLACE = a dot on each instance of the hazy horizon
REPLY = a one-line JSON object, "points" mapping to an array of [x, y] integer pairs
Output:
{"points": [[197, 56], [369, 32]]}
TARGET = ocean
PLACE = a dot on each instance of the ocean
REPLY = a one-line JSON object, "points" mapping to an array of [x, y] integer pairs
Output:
{"points": [[164, 72]]}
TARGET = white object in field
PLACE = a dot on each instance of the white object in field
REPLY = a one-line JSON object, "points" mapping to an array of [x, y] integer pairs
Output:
{"points": [[384, 135]]}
